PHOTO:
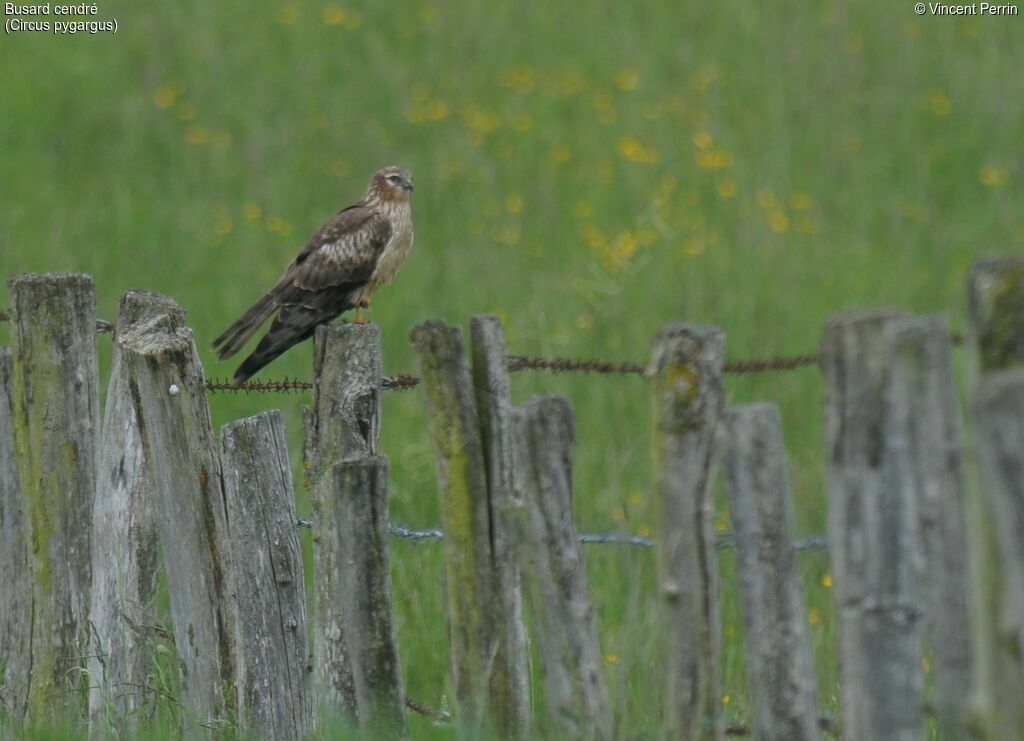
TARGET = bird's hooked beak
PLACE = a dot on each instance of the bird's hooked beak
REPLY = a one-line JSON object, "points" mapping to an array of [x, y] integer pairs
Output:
{"points": [[407, 185]]}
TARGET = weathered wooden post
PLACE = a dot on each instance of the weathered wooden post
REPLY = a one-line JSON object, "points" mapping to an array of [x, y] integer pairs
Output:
{"points": [[344, 424], [996, 307], [923, 437], [998, 411], [16, 606], [168, 395], [554, 573], [510, 689], [56, 416], [272, 679], [780, 667], [874, 527], [124, 547], [469, 517], [360, 546], [688, 403]]}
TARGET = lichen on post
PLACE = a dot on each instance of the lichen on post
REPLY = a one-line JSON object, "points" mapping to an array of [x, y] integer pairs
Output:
{"points": [[56, 418], [465, 515], [996, 330], [124, 545], [344, 424], [687, 406], [168, 394]]}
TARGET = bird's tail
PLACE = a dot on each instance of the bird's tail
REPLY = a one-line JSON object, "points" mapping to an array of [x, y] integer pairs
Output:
{"points": [[293, 324], [245, 326]]}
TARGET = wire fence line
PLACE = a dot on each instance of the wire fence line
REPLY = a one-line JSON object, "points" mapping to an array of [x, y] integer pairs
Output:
{"points": [[725, 540], [519, 363], [516, 364]]}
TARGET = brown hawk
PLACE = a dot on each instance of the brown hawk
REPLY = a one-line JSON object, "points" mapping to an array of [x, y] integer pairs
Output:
{"points": [[340, 267]]}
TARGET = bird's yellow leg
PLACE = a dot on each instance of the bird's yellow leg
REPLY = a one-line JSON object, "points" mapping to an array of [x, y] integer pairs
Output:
{"points": [[364, 304]]}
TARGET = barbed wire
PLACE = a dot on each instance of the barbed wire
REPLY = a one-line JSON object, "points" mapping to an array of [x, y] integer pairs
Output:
{"points": [[516, 364]]}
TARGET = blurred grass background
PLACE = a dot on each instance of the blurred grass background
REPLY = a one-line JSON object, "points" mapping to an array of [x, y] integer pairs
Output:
{"points": [[587, 172]]}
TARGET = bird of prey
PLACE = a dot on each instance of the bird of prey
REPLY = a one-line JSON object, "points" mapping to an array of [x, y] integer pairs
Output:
{"points": [[340, 267]]}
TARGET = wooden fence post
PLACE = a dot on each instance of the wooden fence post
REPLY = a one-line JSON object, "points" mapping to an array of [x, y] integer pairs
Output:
{"points": [[360, 545], [345, 424], [924, 440], [270, 633], [467, 516], [56, 416], [873, 524], [168, 394], [996, 308], [688, 403], [16, 606], [510, 689], [998, 412], [554, 571], [780, 667], [124, 545]]}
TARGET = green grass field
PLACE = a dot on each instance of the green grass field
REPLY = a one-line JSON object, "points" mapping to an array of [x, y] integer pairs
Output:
{"points": [[588, 172]]}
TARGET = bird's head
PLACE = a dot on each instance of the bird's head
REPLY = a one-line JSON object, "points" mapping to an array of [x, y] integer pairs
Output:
{"points": [[392, 184]]}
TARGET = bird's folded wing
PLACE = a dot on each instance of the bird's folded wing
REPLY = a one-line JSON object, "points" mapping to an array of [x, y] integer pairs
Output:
{"points": [[340, 256]]}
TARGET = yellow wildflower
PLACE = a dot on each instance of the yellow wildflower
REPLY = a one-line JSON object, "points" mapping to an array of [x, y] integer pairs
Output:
{"points": [[727, 188], [800, 201], [197, 135], [993, 177], [523, 122], [778, 220], [514, 204], [508, 235], [278, 226], [627, 80], [714, 159], [814, 616], [702, 140], [693, 247], [480, 120], [335, 15], [289, 13], [519, 79], [561, 154], [826, 581], [252, 212], [634, 151], [610, 659], [165, 96], [644, 531], [941, 105]]}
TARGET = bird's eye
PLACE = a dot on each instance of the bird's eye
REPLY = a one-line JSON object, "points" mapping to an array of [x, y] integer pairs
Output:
{"points": [[392, 178]]}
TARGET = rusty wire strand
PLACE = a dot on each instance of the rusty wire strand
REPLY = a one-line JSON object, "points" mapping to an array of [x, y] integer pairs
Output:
{"points": [[516, 363], [442, 716]]}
